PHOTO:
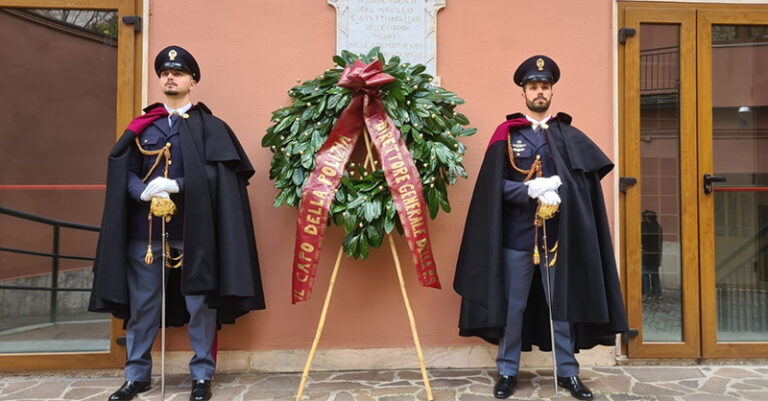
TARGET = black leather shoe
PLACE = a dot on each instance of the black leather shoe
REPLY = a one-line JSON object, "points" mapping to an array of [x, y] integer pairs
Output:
{"points": [[201, 390], [505, 386], [129, 390], [575, 386]]}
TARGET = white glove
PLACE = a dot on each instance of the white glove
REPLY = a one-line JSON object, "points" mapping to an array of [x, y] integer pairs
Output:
{"points": [[538, 186], [549, 198], [157, 185]]}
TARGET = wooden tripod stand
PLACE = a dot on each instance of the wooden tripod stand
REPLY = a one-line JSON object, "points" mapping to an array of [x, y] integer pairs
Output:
{"points": [[368, 162]]}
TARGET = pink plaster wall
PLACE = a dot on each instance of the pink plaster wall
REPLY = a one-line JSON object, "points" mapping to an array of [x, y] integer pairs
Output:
{"points": [[252, 52]]}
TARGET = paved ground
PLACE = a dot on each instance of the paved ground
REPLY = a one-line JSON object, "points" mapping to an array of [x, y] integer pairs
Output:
{"points": [[660, 383]]}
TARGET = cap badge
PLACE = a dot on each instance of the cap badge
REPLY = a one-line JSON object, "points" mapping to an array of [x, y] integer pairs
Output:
{"points": [[172, 56], [539, 63]]}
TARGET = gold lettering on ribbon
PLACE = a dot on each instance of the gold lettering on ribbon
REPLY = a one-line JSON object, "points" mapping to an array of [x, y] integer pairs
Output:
{"points": [[405, 185], [313, 212]]}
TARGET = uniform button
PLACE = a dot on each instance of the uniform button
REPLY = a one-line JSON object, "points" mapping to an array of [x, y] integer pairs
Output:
{"points": [[167, 144], [145, 141], [185, 115], [170, 162]]}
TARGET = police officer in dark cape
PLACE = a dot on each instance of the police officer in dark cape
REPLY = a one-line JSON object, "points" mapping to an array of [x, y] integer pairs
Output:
{"points": [[531, 160], [181, 155]]}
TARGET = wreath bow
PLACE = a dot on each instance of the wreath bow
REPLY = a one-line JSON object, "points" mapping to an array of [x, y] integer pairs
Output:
{"points": [[361, 77]]}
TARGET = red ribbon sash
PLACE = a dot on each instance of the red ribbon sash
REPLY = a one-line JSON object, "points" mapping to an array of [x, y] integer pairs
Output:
{"points": [[365, 109], [140, 123]]}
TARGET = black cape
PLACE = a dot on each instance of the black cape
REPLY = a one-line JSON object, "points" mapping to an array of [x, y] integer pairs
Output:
{"points": [[587, 291], [220, 259]]}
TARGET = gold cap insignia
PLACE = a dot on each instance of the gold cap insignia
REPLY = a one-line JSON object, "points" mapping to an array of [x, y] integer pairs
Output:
{"points": [[172, 56], [539, 63]]}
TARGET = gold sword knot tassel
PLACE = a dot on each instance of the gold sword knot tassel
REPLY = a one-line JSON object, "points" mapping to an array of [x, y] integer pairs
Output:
{"points": [[543, 212], [162, 207]]}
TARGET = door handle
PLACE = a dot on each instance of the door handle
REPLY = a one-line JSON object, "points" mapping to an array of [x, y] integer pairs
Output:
{"points": [[709, 179], [625, 182]]}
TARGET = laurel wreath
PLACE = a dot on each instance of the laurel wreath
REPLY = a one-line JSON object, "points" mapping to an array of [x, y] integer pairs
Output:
{"points": [[426, 117]]}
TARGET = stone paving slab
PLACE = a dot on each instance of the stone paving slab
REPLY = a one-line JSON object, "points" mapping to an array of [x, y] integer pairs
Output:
{"points": [[612, 383]]}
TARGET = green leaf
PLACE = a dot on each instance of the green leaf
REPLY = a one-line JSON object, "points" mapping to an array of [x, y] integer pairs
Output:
{"points": [[333, 100], [317, 140], [398, 94], [461, 171], [343, 102], [283, 124], [390, 208], [281, 197], [442, 195], [374, 236], [372, 210], [349, 57], [298, 177], [432, 202], [456, 129], [339, 61], [356, 203], [350, 244], [307, 160], [418, 68], [373, 53], [319, 108], [418, 137], [461, 119], [271, 138], [295, 127], [389, 224], [307, 114], [293, 198], [362, 247], [350, 220], [443, 153]]}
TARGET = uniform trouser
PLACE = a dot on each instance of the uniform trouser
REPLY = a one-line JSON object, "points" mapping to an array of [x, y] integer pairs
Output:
{"points": [[651, 282], [145, 291], [518, 275]]}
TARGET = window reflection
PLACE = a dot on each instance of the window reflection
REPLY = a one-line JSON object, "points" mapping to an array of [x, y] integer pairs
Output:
{"points": [[660, 182], [58, 108]]}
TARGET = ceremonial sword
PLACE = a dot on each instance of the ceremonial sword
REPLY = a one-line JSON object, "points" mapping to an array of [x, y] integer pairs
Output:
{"points": [[549, 302]]}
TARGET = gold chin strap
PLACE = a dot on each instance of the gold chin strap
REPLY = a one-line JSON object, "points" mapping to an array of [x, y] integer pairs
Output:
{"points": [[543, 212], [159, 207]]}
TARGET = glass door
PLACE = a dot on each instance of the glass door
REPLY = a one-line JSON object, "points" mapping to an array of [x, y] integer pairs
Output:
{"points": [[68, 85], [659, 153], [733, 168]]}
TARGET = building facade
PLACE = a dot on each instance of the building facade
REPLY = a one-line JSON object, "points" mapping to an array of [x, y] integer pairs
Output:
{"points": [[671, 91]]}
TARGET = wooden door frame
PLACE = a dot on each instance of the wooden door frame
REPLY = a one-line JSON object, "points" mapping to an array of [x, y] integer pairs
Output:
{"points": [[734, 15], [129, 71], [631, 15]]}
